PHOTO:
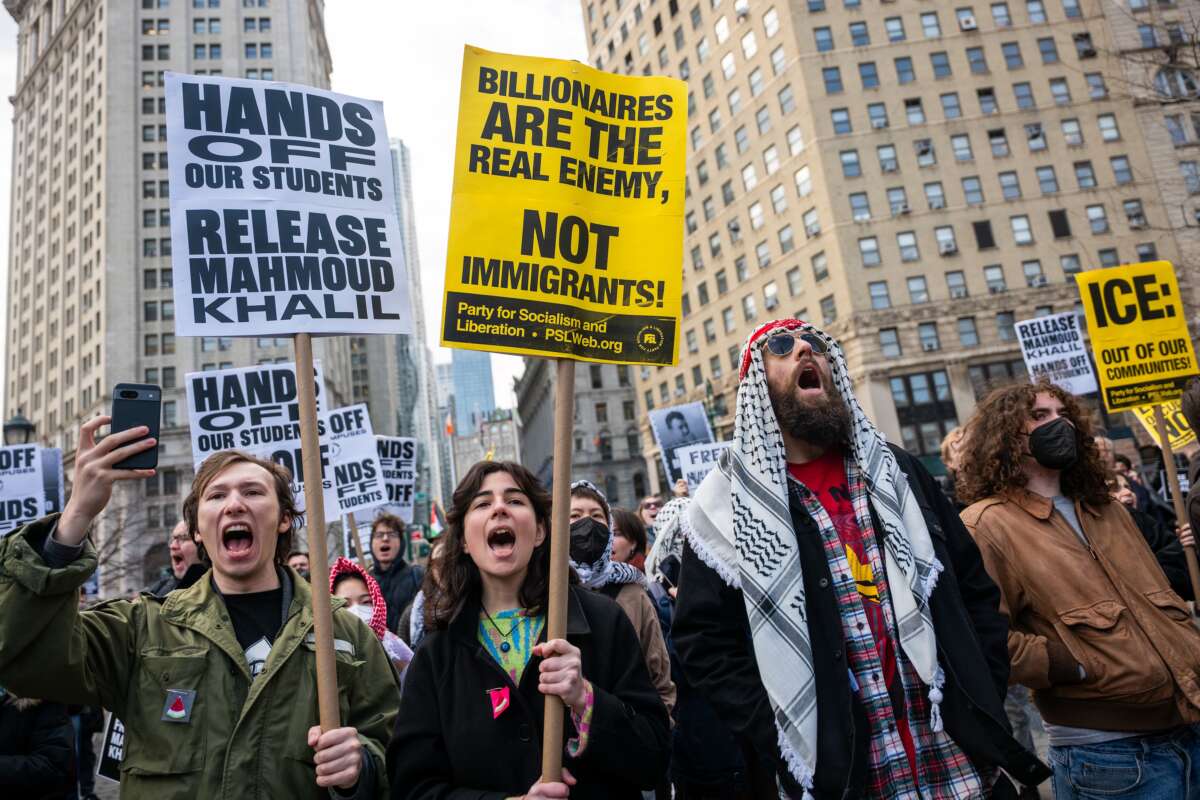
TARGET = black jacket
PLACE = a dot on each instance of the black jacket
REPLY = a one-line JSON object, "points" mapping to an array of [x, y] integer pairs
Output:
{"points": [[712, 635], [37, 745], [1167, 550], [399, 584], [448, 746]]}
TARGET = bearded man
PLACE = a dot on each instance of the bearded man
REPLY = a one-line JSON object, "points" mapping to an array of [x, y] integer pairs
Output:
{"points": [[832, 607]]}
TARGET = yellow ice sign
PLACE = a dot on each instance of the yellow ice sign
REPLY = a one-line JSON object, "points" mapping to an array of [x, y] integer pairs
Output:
{"points": [[1179, 433], [1139, 333], [566, 224]]}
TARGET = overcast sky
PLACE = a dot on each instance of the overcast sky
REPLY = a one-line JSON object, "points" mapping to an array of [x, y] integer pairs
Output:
{"points": [[409, 55]]}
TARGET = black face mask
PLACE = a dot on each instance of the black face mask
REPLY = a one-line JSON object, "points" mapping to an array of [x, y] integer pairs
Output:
{"points": [[1055, 445], [589, 539]]}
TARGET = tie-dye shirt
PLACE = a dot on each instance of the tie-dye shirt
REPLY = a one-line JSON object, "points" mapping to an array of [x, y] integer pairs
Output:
{"points": [[521, 632]]}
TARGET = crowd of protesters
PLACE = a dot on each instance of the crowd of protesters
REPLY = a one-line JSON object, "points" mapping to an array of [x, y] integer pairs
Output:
{"points": [[820, 618]]}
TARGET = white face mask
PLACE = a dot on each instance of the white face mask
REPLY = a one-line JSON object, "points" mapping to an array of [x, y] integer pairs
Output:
{"points": [[363, 612]]}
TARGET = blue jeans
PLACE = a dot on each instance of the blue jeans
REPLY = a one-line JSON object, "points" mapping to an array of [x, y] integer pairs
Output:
{"points": [[1158, 767]]}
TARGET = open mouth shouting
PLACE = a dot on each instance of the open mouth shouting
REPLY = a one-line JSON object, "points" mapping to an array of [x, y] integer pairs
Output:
{"points": [[502, 541], [809, 379], [237, 541], [177, 560]]}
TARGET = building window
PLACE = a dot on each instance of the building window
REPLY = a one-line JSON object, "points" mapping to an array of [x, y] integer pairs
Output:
{"points": [[1047, 180], [868, 248], [918, 291], [860, 207], [1010, 185], [1085, 176], [877, 113], [1072, 132], [929, 25], [961, 144], [1012, 55], [1004, 326], [1060, 91], [941, 64], [833, 80], [977, 60], [879, 294], [889, 343], [1022, 233], [935, 195], [956, 284], [850, 165], [925, 410], [950, 105], [820, 266], [928, 335], [1097, 219], [907, 242], [1109, 131], [972, 191]]}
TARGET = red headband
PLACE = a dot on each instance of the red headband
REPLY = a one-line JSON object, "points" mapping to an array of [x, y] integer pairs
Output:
{"points": [[759, 333], [344, 566]]}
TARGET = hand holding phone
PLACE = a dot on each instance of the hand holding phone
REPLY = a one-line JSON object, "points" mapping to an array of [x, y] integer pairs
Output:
{"points": [[95, 474], [137, 405]]}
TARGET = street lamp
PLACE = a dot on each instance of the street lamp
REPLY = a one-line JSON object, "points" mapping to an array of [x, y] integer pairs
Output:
{"points": [[18, 430]]}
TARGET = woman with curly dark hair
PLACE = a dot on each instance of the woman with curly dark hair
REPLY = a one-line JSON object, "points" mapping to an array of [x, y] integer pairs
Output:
{"points": [[1096, 630], [474, 693]]}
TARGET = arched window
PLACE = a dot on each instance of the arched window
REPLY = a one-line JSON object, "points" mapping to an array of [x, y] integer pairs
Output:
{"points": [[1176, 83]]}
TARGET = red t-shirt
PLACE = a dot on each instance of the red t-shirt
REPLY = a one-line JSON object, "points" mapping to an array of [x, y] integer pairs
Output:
{"points": [[826, 478]]}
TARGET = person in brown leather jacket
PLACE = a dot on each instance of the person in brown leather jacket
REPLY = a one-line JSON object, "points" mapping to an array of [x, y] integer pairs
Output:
{"points": [[1095, 629]]}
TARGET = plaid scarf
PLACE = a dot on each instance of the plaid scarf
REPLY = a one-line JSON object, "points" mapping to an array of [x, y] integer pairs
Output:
{"points": [[604, 570], [740, 524], [944, 772]]}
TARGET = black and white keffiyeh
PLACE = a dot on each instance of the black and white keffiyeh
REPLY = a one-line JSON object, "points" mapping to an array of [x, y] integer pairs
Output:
{"points": [[740, 525], [604, 570], [670, 535]]}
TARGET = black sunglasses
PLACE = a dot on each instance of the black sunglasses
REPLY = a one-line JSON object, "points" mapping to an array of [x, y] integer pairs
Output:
{"points": [[782, 342]]}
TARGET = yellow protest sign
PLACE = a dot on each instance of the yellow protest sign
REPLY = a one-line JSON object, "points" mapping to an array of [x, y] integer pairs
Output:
{"points": [[566, 223], [1139, 333], [1179, 433]]}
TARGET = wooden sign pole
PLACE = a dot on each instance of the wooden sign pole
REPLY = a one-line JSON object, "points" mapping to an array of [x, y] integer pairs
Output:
{"points": [[560, 543], [1181, 517], [357, 542], [318, 557]]}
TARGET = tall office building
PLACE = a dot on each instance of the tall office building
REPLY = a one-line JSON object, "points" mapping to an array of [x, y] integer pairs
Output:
{"points": [[912, 177], [474, 395], [89, 293], [444, 375]]}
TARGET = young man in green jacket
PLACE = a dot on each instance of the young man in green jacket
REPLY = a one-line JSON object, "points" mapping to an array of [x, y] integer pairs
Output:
{"points": [[216, 684]]}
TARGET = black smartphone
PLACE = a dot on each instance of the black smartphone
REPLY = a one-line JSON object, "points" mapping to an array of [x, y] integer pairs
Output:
{"points": [[134, 405]]}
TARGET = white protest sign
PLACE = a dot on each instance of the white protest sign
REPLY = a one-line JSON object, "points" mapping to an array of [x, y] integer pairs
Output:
{"points": [[1053, 347], [697, 460], [676, 427], [283, 215], [353, 477], [398, 459], [253, 409], [22, 494]]}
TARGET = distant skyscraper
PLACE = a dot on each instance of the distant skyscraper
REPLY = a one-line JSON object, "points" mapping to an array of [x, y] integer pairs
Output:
{"points": [[473, 393]]}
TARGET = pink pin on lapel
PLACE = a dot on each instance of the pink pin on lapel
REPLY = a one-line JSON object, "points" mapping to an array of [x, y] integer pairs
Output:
{"points": [[500, 701]]}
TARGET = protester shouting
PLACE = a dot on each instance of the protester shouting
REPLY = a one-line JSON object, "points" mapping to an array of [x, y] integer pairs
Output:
{"points": [[1109, 649], [647, 509], [298, 560], [592, 543], [398, 580], [186, 568], [471, 717], [831, 606], [215, 683]]}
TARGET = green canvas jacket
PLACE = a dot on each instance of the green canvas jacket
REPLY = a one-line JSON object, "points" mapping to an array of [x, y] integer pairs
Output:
{"points": [[244, 738]]}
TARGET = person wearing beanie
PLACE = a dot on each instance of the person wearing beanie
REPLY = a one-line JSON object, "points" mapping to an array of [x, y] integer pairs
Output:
{"points": [[832, 607]]}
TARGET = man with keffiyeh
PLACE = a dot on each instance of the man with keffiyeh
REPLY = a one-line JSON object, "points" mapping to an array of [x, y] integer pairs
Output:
{"points": [[831, 605]]}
